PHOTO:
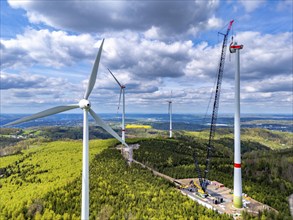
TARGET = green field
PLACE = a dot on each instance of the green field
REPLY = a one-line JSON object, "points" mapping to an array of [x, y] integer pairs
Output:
{"points": [[138, 126]]}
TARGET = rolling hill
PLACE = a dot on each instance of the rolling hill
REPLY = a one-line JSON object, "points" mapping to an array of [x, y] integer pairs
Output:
{"points": [[42, 178]]}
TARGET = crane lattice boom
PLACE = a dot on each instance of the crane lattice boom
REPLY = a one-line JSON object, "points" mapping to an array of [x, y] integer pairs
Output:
{"points": [[203, 181]]}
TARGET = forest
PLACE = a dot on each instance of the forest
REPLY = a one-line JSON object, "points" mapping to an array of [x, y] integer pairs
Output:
{"points": [[267, 174], [44, 183], [42, 178]]}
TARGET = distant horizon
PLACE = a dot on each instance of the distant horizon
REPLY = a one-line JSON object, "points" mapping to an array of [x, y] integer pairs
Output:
{"points": [[279, 122], [137, 113]]}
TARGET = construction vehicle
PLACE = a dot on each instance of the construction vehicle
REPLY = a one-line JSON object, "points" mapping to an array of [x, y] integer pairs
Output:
{"points": [[216, 199], [203, 180], [193, 186], [188, 187]]}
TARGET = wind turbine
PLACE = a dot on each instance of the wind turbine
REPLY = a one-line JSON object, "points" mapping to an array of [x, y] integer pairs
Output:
{"points": [[85, 105], [237, 197], [170, 114], [122, 92]]}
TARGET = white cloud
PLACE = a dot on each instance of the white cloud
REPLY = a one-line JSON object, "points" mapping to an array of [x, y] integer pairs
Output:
{"points": [[266, 55], [204, 61], [285, 5], [249, 88], [214, 23], [25, 81], [24, 91], [152, 33], [137, 59], [48, 48], [148, 65], [282, 83], [251, 5], [148, 59], [172, 17]]}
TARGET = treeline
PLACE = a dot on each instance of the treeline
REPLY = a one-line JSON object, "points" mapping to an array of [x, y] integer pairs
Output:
{"points": [[21, 145], [269, 177], [6, 138], [267, 174], [13, 140], [8, 141], [12, 135], [263, 137], [74, 133], [177, 126]]}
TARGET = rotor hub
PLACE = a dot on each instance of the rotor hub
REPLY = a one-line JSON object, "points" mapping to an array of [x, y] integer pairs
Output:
{"points": [[84, 104]]}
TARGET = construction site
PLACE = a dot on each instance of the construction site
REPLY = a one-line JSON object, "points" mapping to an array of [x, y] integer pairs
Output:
{"points": [[218, 197], [212, 194], [208, 193]]}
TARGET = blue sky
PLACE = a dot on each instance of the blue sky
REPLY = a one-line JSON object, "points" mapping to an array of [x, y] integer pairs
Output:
{"points": [[48, 48]]}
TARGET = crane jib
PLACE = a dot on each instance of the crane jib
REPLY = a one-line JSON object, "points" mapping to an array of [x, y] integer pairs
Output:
{"points": [[203, 181]]}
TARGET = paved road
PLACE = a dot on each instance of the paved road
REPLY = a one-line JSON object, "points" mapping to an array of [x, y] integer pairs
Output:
{"points": [[291, 204]]}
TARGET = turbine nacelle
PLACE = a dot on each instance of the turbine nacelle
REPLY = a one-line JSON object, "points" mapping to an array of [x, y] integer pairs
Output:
{"points": [[84, 104]]}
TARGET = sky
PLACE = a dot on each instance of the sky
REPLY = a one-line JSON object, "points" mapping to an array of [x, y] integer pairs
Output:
{"points": [[153, 47]]}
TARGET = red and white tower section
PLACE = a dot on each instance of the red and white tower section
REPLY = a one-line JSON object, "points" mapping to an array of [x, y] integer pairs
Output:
{"points": [[123, 112], [237, 197], [170, 115]]}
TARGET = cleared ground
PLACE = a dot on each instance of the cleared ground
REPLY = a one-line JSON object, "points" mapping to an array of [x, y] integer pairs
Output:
{"points": [[216, 189]]}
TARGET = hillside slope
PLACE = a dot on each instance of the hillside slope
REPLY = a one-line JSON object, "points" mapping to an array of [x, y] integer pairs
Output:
{"points": [[44, 182], [267, 174], [274, 140], [38, 170]]}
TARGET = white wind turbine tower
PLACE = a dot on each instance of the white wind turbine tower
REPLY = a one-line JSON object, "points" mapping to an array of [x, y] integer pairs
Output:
{"points": [[170, 114], [237, 197], [85, 105], [122, 92]]}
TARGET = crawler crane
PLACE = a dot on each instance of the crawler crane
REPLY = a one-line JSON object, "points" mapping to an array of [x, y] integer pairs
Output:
{"points": [[203, 180]]}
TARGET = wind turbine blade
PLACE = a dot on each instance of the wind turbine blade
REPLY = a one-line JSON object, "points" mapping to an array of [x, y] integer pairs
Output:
{"points": [[93, 76], [119, 99], [45, 113], [115, 78], [106, 127], [168, 107]]}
